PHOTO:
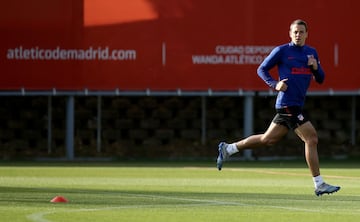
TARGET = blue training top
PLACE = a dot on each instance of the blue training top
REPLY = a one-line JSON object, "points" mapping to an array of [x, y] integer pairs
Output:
{"points": [[292, 64]]}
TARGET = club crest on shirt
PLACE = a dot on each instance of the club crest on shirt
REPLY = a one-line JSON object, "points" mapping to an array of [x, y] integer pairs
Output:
{"points": [[300, 117]]}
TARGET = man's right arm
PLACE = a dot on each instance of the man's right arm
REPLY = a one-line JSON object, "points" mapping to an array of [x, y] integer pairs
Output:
{"points": [[269, 62]]}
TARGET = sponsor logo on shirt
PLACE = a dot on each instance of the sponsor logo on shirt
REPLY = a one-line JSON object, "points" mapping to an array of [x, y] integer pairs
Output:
{"points": [[301, 70]]}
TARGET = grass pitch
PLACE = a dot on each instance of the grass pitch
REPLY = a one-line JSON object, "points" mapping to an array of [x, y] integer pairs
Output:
{"points": [[166, 192]]}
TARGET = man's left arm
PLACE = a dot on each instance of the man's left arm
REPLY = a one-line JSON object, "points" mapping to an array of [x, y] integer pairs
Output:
{"points": [[316, 69]]}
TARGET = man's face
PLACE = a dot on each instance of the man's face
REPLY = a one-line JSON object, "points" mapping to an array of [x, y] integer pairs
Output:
{"points": [[298, 34]]}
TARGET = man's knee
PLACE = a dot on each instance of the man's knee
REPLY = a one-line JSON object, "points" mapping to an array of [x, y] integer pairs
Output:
{"points": [[312, 140], [308, 134]]}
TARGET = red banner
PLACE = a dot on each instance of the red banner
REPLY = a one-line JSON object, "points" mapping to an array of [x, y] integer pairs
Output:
{"points": [[166, 45]]}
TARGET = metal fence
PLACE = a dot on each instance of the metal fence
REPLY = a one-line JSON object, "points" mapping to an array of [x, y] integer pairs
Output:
{"points": [[248, 108]]}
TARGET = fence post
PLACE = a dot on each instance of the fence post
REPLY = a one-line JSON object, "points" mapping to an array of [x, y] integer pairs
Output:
{"points": [[353, 120], [203, 120], [70, 117], [248, 122], [98, 125], [49, 141]]}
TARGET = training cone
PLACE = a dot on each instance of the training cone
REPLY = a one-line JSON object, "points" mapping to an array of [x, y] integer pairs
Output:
{"points": [[59, 199]]}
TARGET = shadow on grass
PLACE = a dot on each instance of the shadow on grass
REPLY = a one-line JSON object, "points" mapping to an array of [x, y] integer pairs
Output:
{"points": [[99, 197]]}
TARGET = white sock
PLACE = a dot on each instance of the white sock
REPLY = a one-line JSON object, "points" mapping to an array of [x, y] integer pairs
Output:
{"points": [[318, 180], [231, 149]]}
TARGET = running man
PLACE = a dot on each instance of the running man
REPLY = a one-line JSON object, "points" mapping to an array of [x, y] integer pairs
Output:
{"points": [[297, 65]]}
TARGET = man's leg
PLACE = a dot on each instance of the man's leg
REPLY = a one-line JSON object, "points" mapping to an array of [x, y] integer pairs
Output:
{"points": [[308, 134], [272, 135]]}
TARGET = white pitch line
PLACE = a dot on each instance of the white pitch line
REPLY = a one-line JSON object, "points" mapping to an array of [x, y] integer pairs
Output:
{"points": [[39, 217], [289, 173]]}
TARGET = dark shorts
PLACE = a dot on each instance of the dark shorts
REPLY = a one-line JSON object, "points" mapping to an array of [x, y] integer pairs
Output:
{"points": [[290, 117]]}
